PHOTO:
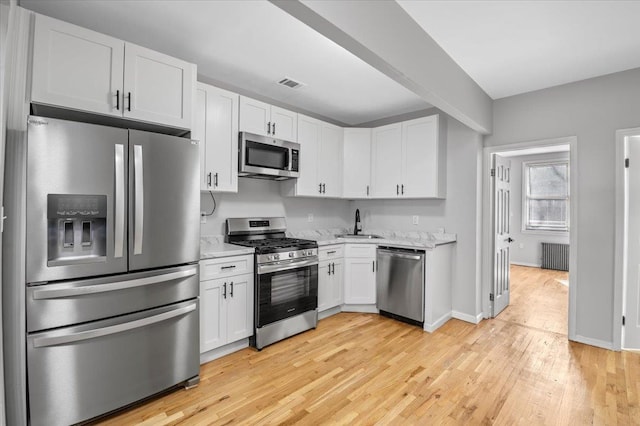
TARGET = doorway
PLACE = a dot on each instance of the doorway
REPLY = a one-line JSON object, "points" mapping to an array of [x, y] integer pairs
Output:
{"points": [[539, 152], [627, 251]]}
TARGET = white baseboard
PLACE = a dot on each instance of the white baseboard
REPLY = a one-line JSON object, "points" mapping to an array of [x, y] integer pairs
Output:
{"points": [[593, 342], [430, 328], [369, 309], [466, 317], [329, 312], [531, 265], [223, 350]]}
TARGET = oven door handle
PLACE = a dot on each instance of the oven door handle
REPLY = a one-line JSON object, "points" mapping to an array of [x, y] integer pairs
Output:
{"points": [[285, 266]]}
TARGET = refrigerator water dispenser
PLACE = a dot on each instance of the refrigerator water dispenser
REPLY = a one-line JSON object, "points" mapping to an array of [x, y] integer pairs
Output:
{"points": [[77, 229]]}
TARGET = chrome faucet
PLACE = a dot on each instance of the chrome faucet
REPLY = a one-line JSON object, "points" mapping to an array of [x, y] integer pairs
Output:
{"points": [[358, 227]]}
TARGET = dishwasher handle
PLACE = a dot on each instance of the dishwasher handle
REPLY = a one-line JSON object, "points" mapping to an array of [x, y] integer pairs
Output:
{"points": [[401, 254]]}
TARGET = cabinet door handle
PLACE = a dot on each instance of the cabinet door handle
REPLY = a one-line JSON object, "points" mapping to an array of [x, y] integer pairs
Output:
{"points": [[117, 100], [273, 128], [367, 190], [215, 180], [333, 268], [324, 188], [373, 266], [329, 269], [209, 179], [331, 252], [224, 290], [269, 128], [129, 105], [228, 267], [397, 189], [231, 288], [402, 189]]}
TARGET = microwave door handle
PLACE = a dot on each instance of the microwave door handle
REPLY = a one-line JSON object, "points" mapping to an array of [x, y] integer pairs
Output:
{"points": [[119, 202], [138, 199]]}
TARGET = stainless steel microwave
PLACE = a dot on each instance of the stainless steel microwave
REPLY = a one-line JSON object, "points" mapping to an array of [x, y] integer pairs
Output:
{"points": [[267, 158]]}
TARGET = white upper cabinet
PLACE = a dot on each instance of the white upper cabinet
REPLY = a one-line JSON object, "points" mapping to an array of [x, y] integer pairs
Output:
{"points": [[215, 125], [77, 68], [409, 159], [158, 87], [320, 160], [284, 124], [357, 163], [309, 140], [423, 150], [80, 69], [386, 155], [267, 120], [330, 160]]}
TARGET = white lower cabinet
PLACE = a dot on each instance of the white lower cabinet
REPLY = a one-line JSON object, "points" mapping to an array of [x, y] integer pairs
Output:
{"points": [[330, 277], [360, 274], [226, 301]]}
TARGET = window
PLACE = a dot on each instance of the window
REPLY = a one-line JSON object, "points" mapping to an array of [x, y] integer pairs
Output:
{"points": [[546, 200]]}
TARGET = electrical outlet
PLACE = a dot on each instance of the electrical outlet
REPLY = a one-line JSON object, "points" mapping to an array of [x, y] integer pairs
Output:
{"points": [[521, 245], [416, 220], [203, 217], [310, 217]]}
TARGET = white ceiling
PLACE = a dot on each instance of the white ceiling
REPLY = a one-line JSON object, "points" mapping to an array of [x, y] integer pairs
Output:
{"points": [[507, 47], [513, 47]]}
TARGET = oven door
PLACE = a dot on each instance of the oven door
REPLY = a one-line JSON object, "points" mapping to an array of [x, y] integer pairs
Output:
{"points": [[286, 289]]}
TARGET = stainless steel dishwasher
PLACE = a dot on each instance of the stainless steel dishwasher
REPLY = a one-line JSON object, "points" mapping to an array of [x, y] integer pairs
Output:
{"points": [[400, 284]]}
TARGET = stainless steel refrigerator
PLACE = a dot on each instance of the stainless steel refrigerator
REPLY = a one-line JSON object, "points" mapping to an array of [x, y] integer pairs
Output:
{"points": [[112, 245]]}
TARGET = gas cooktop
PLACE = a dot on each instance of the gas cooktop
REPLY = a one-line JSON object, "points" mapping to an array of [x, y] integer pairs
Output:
{"points": [[275, 245]]}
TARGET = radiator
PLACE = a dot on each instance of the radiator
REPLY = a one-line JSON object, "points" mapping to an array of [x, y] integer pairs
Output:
{"points": [[555, 256]]}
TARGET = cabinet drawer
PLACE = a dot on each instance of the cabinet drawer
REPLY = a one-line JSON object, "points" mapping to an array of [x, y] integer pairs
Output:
{"points": [[331, 252], [225, 267], [360, 250]]}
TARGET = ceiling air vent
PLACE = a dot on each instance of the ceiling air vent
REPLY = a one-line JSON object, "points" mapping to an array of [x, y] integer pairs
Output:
{"points": [[291, 83]]}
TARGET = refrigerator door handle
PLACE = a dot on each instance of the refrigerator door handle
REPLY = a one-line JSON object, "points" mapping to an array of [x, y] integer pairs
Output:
{"points": [[44, 341], [119, 201], [72, 289], [138, 199]]}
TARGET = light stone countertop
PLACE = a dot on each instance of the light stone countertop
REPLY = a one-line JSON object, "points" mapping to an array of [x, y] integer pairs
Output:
{"points": [[421, 240], [213, 247]]}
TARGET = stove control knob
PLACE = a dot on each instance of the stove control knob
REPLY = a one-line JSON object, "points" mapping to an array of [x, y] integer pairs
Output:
{"points": [[292, 254], [276, 256]]}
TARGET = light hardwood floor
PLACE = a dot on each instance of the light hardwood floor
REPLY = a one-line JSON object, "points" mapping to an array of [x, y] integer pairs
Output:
{"points": [[363, 369]]}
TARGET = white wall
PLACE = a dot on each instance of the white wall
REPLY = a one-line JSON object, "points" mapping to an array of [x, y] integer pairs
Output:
{"points": [[592, 110], [257, 197], [527, 249], [459, 213]]}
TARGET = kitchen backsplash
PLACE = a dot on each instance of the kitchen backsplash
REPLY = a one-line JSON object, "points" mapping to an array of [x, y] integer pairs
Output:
{"points": [[256, 198]]}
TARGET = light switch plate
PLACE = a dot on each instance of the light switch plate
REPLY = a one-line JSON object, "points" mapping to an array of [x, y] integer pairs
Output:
{"points": [[203, 217], [416, 220], [310, 217]]}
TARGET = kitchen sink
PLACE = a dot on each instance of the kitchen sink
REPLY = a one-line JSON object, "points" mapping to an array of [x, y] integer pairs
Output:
{"points": [[359, 236]]}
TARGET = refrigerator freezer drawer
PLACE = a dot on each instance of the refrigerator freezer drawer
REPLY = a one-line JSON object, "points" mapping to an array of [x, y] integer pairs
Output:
{"points": [[73, 302], [79, 372]]}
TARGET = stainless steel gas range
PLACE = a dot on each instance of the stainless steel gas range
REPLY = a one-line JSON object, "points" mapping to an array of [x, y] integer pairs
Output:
{"points": [[286, 278]]}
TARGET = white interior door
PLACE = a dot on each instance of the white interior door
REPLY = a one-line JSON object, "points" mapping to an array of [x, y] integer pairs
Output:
{"points": [[502, 233], [631, 329]]}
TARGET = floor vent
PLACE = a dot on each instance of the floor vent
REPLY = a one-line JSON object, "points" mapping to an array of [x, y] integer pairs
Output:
{"points": [[555, 256]]}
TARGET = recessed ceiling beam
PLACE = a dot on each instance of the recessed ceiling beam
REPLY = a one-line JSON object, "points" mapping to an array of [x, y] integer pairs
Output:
{"points": [[383, 35]]}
